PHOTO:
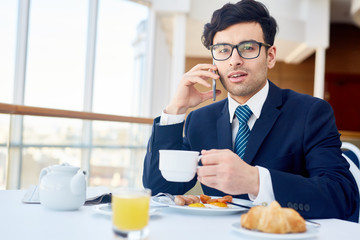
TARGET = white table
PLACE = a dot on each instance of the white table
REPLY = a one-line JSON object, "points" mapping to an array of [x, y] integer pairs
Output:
{"points": [[33, 221]]}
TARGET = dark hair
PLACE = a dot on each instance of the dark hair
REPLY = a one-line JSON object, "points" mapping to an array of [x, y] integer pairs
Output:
{"points": [[242, 11]]}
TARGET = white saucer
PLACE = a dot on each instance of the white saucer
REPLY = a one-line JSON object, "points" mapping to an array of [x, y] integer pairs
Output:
{"points": [[105, 209], [311, 232]]}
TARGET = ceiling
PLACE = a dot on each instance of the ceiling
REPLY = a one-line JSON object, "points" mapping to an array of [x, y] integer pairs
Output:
{"points": [[291, 49]]}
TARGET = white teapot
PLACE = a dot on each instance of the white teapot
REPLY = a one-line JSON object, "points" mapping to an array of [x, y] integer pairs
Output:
{"points": [[62, 187]]}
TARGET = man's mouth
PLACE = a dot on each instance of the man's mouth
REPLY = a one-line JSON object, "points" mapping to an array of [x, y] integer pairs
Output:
{"points": [[237, 76]]}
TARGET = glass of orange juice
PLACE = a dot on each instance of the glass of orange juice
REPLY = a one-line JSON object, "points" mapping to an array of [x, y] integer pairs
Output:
{"points": [[130, 208]]}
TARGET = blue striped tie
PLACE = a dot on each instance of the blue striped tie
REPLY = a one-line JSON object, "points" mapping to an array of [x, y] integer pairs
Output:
{"points": [[243, 114]]}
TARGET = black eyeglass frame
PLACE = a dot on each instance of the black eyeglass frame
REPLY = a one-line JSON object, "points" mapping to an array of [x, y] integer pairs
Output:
{"points": [[237, 48]]}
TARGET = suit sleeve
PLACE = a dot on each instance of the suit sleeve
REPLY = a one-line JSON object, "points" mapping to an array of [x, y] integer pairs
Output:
{"points": [[163, 137], [329, 190]]}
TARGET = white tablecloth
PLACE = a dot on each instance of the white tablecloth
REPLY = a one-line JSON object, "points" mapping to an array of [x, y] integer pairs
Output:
{"points": [[33, 221]]}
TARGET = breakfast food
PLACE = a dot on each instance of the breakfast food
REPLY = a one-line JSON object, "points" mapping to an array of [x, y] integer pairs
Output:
{"points": [[194, 201], [219, 204], [204, 198], [197, 205], [273, 219], [186, 200], [207, 199], [179, 200]]}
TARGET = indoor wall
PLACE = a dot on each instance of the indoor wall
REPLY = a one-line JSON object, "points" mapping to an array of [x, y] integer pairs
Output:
{"points": [[342, 61]]}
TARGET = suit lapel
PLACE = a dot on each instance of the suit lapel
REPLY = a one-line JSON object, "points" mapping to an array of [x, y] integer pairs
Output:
{"points": [[269, 114], [223, 127]]}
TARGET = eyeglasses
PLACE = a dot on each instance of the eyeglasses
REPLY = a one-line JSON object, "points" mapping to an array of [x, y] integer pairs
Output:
{"points": [[247, 50]]}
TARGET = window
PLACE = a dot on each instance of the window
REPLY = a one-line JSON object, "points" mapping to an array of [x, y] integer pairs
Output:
{"points": [[56, 54], [116, 74], [8, 19], [4, 137], [55, 78]]}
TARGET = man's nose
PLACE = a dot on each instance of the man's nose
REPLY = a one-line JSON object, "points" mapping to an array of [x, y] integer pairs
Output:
{"points": [[235, 58]]}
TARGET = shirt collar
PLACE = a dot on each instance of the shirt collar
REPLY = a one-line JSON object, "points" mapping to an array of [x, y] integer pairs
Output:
{"points": [[255, 103]]}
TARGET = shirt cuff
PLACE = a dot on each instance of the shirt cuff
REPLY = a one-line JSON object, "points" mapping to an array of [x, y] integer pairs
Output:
{"points": [[168, 119], [266, 192]]}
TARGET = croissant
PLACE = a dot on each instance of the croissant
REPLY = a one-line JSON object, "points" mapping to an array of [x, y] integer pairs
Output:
{"points": [[273, 219]]}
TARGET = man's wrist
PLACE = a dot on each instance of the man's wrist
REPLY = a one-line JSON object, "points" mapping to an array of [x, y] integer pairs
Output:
{"points": [[255, 182], [266, 193], [173, 110]]}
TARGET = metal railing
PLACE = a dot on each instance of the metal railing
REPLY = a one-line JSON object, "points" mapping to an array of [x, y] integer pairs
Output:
{"points": [[50, 112], [13, 165]]}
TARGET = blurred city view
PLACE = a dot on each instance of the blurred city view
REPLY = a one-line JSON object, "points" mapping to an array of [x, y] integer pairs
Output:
{"points": [[116, 152]]}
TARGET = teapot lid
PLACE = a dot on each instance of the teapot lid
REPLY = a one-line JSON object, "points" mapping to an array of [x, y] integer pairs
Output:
{"points": [[64, 167]]}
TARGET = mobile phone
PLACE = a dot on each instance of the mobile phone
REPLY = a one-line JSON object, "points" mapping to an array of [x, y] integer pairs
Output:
{"points": [[214, 84]]}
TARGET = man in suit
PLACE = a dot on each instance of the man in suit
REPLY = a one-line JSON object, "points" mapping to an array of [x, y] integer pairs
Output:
{"points": [[292, 153]]}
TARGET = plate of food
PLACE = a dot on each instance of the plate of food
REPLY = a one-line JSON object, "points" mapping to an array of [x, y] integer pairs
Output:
{"points": [[274, 222], [198, 205], [311, 231]]}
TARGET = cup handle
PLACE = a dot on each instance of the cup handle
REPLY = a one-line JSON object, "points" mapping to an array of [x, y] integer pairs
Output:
{"points": [[199, 158]]}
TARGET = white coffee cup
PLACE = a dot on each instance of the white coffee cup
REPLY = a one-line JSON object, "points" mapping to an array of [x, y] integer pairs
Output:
{"points": [[178, 165]]}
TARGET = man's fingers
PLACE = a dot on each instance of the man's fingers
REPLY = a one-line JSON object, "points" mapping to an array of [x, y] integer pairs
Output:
{"points": [[218, 92], [206, 95], [205, 171], [196, 79], [211, 151], [204, 66], [204, 75], [209, 181], [211, 157]]}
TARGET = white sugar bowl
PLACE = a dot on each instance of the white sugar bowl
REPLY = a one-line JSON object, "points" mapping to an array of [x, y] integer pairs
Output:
{"points": [[62, 187]]}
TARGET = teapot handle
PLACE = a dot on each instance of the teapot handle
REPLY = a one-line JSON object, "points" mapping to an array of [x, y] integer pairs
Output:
{"points": [[78, 183], [43, 172]]}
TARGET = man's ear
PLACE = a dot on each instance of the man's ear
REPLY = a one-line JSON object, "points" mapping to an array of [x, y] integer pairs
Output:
{"points": [[271, 59]]}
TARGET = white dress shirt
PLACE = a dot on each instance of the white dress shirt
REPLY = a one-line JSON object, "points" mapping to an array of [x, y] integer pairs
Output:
{"points": [[255, 103]]}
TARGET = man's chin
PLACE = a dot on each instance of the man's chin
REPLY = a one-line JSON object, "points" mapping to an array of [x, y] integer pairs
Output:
{"points": [[240, 91]]}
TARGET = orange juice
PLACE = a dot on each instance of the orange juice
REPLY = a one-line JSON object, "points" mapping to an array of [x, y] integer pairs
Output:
{"points": [[130, 210]]}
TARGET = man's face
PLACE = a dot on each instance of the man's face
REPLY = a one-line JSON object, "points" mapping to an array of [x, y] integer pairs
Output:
{"points": [[243, 78]]}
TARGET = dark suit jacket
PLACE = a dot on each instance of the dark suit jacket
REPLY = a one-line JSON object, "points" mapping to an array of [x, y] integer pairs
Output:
{"points": [[295, 138]]}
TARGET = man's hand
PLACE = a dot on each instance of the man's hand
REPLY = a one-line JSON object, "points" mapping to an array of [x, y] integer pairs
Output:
{"points": [[187, 95], [227, 172]]}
